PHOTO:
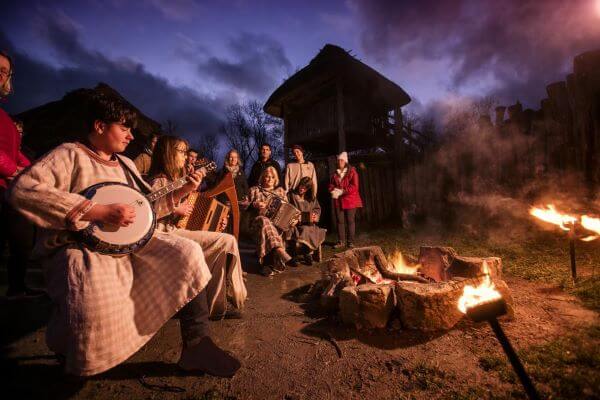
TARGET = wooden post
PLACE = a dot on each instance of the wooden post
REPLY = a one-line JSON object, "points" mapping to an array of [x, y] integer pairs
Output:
{"points": [[286, 134], [339, 92], [398, 164], [331, 166]]}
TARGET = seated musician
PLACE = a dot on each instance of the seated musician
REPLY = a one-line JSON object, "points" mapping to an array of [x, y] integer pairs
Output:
{"points": [[306, 237], [269, 239], [220, 249], [106, 308]]}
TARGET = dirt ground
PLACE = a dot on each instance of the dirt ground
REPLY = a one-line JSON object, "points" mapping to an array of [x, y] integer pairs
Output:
{"points": [[288, 351]]}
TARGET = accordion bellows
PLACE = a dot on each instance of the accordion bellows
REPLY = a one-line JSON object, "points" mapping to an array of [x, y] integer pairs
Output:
{"points": [[207, 213]]}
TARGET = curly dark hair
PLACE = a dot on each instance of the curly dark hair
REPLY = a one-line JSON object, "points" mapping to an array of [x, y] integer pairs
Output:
{"points": [[306, 182], [110, 110]]}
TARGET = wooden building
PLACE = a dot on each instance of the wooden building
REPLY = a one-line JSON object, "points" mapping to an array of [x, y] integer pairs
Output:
{"points": [[337, 103], [54, 123]]}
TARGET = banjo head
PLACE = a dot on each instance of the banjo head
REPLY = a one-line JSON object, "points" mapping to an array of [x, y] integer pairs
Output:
{"points": [[112, 239]]}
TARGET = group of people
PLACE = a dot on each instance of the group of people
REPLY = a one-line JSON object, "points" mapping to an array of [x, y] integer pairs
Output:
{"points": [[105, 307], [297, 184]]}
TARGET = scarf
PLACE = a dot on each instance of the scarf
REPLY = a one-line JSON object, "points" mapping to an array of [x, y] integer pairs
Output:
{"points": [[342, 173], [235, 170]]}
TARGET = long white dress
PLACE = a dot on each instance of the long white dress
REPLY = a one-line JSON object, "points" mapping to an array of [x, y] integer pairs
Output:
{"points": [[105, 308]]}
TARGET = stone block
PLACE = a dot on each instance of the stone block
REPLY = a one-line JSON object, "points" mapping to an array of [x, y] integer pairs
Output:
{"points": [[367, 306]]}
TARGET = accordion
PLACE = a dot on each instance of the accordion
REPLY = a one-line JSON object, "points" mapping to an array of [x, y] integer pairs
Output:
{"points": [[206, 215], [281, 213]]}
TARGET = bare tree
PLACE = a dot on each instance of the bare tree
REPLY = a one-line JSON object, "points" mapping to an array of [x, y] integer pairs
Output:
{"points": [[247, 126], [207, 146], [171, 127]]}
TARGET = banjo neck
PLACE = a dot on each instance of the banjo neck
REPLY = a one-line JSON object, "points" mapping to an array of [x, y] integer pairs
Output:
{"points": [[178, 183]]}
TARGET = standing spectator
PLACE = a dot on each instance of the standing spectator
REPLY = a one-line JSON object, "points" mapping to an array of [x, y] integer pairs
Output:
{"points": [[295, 171], [232, 164], [264, 161], [143, 161], [15, 229], [344, 190], [192, 157]]}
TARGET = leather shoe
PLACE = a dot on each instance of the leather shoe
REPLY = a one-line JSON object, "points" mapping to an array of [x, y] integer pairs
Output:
{"points": [[206, 357]]}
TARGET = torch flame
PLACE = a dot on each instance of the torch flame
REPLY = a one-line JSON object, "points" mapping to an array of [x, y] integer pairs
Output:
{"points": [[400, 265], [591, 224], [483, 293], [549, 214]]}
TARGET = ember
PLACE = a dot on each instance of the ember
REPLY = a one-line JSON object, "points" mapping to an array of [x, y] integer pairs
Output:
{"points": [[401, 266]]}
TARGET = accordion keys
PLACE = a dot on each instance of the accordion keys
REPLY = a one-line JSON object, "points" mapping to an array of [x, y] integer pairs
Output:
{"points": [[206, 215]]}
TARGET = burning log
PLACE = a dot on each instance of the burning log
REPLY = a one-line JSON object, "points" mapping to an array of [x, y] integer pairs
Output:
{"points": [[485, 303], [365, 287], [432, 307]]}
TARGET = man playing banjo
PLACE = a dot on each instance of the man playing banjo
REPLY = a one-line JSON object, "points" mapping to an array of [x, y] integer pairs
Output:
{"points": [[106, 308]]}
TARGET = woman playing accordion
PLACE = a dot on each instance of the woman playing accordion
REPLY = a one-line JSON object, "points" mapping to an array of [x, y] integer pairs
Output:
{"points": [[269, 240]]}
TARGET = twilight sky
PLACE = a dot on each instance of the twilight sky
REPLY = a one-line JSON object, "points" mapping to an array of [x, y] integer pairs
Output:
{"points": [[187, 60]]}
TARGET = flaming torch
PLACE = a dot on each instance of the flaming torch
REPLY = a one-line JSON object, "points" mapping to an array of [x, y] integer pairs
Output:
{"points": [[563, 221], [485, 303]]}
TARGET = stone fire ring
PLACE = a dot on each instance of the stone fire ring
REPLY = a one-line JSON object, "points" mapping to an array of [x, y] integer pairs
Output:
{"points": [[425, 306]]}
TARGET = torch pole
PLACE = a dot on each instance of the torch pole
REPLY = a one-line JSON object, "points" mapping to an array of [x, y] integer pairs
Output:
{"points": [[572, 252], [514, 359]]}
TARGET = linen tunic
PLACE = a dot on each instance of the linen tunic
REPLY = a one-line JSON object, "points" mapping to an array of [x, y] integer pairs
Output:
{"points": [[227, 280], [308, 234], [105, 308], [296, 171]]}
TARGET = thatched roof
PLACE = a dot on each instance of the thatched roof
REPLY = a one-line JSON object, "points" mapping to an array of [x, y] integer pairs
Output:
{"points": [[333, 61], [61, 121]]}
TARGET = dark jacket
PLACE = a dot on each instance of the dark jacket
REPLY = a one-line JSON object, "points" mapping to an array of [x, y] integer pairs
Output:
{"points": [[258, 168], [241, 184]]}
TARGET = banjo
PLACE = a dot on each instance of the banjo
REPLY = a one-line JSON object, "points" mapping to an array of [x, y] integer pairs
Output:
{"points": [[121, 240]]}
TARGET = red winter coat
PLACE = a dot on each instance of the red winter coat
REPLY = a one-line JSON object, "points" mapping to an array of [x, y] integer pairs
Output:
{"points": [[10, 145], [349, 184]]}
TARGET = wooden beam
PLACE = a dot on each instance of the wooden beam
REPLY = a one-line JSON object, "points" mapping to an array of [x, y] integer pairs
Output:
{"points": [[339, 92]]}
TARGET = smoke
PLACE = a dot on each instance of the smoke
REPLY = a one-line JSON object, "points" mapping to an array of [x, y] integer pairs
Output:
{"points": [[483, 178]]}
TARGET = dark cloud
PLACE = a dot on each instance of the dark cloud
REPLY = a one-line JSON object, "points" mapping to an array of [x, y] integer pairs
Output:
{"points": [[522, 45], [36, 83], [258, 66]]}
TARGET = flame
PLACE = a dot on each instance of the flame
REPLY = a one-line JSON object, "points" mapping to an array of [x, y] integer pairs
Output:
{"points": [[400, 265], [483, 293], [552, 216], [591, 224], [589, 238]]}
